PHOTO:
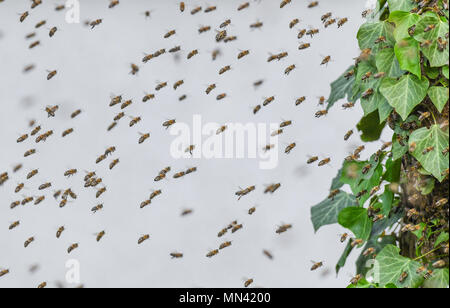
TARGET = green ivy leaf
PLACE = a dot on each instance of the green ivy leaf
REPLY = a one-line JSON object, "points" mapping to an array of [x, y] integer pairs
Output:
{"points": [[439, 97], [403, 21], [348, 249], [445, 71], [398, 150], [326, 212], [426, 186], [369, 32], [393, 168], [387, 199], [384, 110], [370, 127], [443, 237], [407, 52], [336, 183], [404, 94], [387, 62], [400, 5], [431, 51], [433, 161], [439, 279], [391, 266], [362, 284], [378, 245], [356, 220], [340, 88]]}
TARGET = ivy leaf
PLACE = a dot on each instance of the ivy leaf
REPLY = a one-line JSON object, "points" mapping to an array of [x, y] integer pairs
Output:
{"points": [[392, 173], [407, 52], [431, 51], [384, 110], [436, 139], [340, 88], [387, 62], [356, 220], [398, 150], [443, 237], [439, 97], [387, 199], [403, 21], [348, 249], [391, 266], [362, 284], [404, 94], [326, 212], [445, 71], [369, 32], [336, 183], [439, 279], [370, 127], [361, 263], [400, 5]]}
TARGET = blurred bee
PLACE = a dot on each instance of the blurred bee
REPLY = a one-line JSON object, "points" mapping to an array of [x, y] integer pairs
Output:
{"points": [[134, 121], [100, 158], [243, 6], [60, 231], [182, 6], [22, 138], [426, 43], [325, 60], [161, 86], [282, 55], [224, 69], [268, 254], [441, 202], [192, 53], [72, 247], [369, 251], [244, 192], [256, 25], [356, 279], [212, 253], [367, 93], [28, 242], [342, 21], [42, 285], [412, 213], [403, 277], [67, 132], [34, 3], [349, 74], [272, 188], [95, 23], [410, 228], [19, 187], [289, 148], [333, 194], [3, 272], [322, 100], [243, 54], [378, 217], [175, 49], [289, 69], [429, 28], [186, 212], [169, 34], [191, 170], [324, 161], [57, 194], [97, 208], [155, 194], [283, 228], [14, 225], [312, 32], [380, 39], [313, 4], [424, 115], [348, 135], [113, 164], [169, 123], [204, 29], [325, 16], [28, 68], [221, 35], [34, 44], [75, 113], [293, 23], [45, 186], [379, 75], [300, 100], [268, 147], [445, 151], [221, 129], [23, 16], [268, 100], [312, 159], [285, 123], [27, 200], [195, 10], [100, 235], [304, 46], [222, 232], [225, 23], [356, 242], [230, 38], [441, 44], [344, 237], [284, 3], [134, 69], [366, 76], [176, 255], [225, 245], [439, 264], [428, 150], [321, 113], [236, 228], [366, 12], [16, 168], [329, 22], [100, 192], [366, 168], [301, 33], [147, 57], [29, 152], [159, 52], [30, 35], [210, 9], [215, 53], [14, 204], [40, 24], [248, 282], [143, 238], [113, 3]]}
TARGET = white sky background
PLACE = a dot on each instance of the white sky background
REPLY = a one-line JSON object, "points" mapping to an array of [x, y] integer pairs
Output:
{"points": [[92, 64]]}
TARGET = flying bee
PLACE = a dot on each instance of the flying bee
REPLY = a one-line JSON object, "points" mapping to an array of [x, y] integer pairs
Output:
{"points": [[212, 253], [16, 168], [324, 162], [214, 54], [14, 204], [276, 133], [221, 129], [403, 277], [225, 23], [119, 116], [210, 88], [256, 25], [272, 188], [289, 148], [429, 28], [113, 3], [40, 24], [230, 38], [28, 68], [175, 49], [113, 164], [192, 53], [143, 137], [67, 132], [97, 208], [134, 69], [293, 23], [284, 3], [441, 44], [325, 16], [268, 147], [243, 6], [329, 22], [289, 69], [204, 29], [190, 149], [194, 11], [182, 6], [14, 225], [143, 238], [283, 228], [176, 255], [301, 33], [312, 32], [348, 134], [95, 23], [134, 121], [222, 232], [333, 194], [154, 194], [100, 235], [29, 152], [221, 35], [410, 228], [27, 200], [313, 4], [30, 35], [72, 247], [366, 168], [159, 52], [160, 86], [34, 44], [424, 115], [225, 245], [236, 228], [57, 194], [304, 46], [169, 34], [19, 187], [22, 138], [145, 203], [325, 60], [45, 186], [312, 159], [221, 96], [115, 100], [100, 158], [3, 272], [428, 150], [322, 100], [344, 237], [186, 212], [224, 69], [210, 9], [243, 54], [169, 123], [147, 57], [268, 100], [51, 74], [28, 242], [244, 192], [100, 192], [356, 242], [300, 100], [248, 282], [251, 210], [60, 231], [349, 74], [285, 123], [342, 21], [321, 113], [23, 16], [34, 3], [191, 170]]}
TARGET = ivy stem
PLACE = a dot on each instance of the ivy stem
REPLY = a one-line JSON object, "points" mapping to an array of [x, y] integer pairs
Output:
{"points": [[430, 252]]}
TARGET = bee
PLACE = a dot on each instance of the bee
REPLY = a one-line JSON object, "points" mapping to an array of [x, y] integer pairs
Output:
{"points": [[14, 225], [378, 217], [300, 100], [30, 35], [410, 228], [285, 123], [4, 272], [293, 23], [210, 88], [27, 200], [248, 282], [221, 35], [175, 49], [403, 277], [301, 33], [289, 69], [214, 54], [57, 194], [304, 46], [159, 52], [412, 213], [134, 69], [325, 16], [51, 74], [100, 158], [177, 84], [321, 113], [155, 194], [195, 10], [366, 76], [113, 3], [52, 31], [225, 245], [225, 23], [169, 123], [342, 21], [29, 152], [256, 25], [386, 145], [28, 242], [429, 28], [224, 69], [366, 12], [192, 53], [186, 212], [28, 68], [89, 175], [113, 164], [34, 44], [60, 231], [135, 121], [283, 228], [276, 133], [445, 151], [72, 247], [119, 116], [16, 168], [349, 74], [221, 129], [34, 3], [115, 100], [97, 208], [236, 228], [179, 174], [379, 75], [312, 32], [312, 159], [42, 285], [426, 43], [45, 186], [176, 255], [143, 137], [169, 34], [67, 132], [22, 138], [95, 23], [14, 204], [182, 6], [272, 188], [243, 54], [244, 192], [441, 202], [143, 238], [222, 232], [204, 29], [289, 148], [439, 264], [23, 16], [313, 4], [333, 194], [251, 211], [210, 9], [348, 135], [329, 22], [367, 93], [243, 6], [325, 60], [424, 115], [268, 100], [100, 235], [268, 147], [322, 100], [147, 58], [40, 24], [160, 86], [356, 242], [441, 44], [268, 254], [428, 150], [344, 237], [356, 279], [230, 38], [182, 97], [212, 253], [366, 168], [100, 192], [19, 187], [324, 161], [284, 3], [191, 170]]}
